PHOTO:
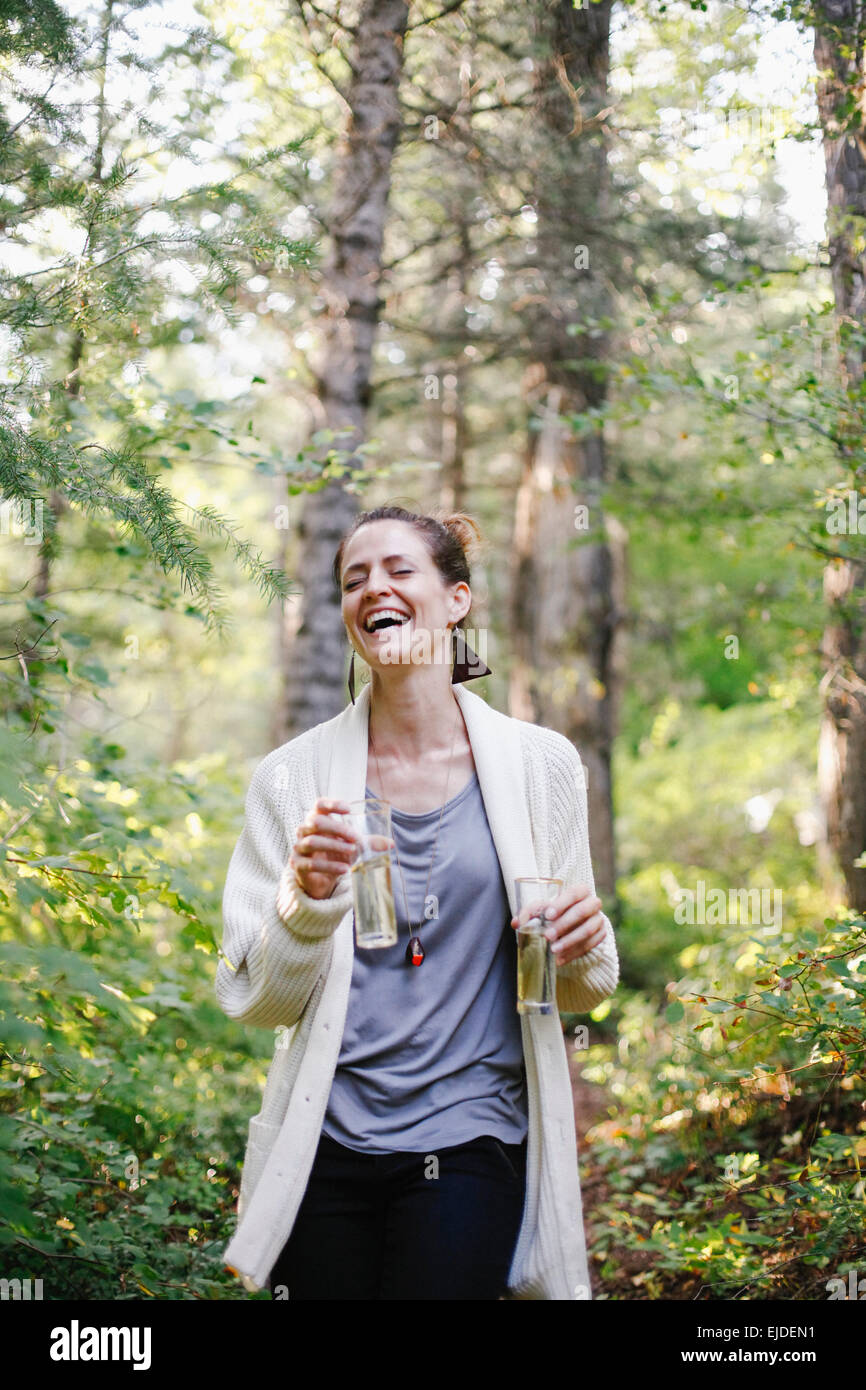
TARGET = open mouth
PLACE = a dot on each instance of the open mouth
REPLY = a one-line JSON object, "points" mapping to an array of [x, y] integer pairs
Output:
{"points": [[385, 618]]}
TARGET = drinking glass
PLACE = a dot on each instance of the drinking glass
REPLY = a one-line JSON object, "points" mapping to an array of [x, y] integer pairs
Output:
{"points": [[375, 918], [536, 964]]}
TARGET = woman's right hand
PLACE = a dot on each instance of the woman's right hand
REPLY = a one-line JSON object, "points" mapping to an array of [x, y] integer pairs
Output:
{"points": [[324, 847]]}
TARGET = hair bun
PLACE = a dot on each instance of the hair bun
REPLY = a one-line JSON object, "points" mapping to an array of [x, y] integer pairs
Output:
{"points": [[465, 530]]}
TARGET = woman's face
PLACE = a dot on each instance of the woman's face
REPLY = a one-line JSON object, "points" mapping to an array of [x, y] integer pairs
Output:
{"points": [[387, 566]]}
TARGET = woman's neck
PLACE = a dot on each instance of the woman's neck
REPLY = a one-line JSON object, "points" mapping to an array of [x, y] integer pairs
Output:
{"points": [[414, 713]]}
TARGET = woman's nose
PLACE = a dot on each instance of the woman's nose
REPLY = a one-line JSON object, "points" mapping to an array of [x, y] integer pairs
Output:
{"points": [[376, 586]]}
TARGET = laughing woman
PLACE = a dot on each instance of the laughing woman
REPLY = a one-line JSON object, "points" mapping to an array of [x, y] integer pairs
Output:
{"points": [[416, 1134]]}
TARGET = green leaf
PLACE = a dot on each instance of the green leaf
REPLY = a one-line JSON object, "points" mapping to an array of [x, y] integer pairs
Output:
{"points": [[93, 671]]}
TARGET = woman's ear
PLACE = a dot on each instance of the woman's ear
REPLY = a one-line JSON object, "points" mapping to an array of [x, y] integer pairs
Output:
{"points": [[461, 602]]}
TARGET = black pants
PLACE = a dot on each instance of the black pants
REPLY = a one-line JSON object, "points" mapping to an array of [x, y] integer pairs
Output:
{"points": [[441, 1225]]}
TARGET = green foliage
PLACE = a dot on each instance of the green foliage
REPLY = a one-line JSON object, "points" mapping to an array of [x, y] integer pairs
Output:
{"points": [[733, 1168], [121, 1137], [730, 1164], [121, 1141], [96, 301]]}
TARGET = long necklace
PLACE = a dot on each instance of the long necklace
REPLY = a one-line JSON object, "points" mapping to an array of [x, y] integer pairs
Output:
{"points": [[415, 951]]}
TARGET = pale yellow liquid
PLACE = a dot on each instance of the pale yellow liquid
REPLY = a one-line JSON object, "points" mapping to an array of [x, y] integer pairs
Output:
{"points": [[375, 919], [536, 974]]}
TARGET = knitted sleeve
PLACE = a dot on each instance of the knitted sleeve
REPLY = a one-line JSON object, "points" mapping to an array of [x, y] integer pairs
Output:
{"points": [[586, 981], [276, 940]]}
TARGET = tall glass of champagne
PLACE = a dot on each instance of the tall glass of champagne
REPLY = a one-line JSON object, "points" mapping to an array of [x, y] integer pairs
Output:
{"points": [[375, 918], [536, 965]]}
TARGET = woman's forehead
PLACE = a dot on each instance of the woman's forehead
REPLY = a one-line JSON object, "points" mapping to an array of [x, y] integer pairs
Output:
{"points": [[376, 539]]}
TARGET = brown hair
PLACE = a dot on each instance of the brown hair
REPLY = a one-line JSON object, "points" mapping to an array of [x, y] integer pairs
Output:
{"points": [[451, 539]]}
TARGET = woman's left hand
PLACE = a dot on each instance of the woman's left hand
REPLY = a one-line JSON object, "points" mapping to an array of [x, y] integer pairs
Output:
{"points": [[576, 924]]}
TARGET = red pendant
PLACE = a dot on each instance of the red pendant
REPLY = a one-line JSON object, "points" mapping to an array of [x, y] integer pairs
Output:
{"points": [[415, 951]]}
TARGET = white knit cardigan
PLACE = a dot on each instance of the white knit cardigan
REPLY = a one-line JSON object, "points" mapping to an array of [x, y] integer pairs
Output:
{"points": [[287, 959]]}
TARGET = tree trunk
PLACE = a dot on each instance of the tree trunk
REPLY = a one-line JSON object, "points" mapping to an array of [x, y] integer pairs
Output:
{"points": [[454, 429], [72, 382], [351, 278], [839, 57], [568, 575]]}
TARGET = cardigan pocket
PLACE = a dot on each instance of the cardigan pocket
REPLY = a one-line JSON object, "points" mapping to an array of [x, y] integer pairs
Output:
{"points": [[276, 1099], [261, 1137]]}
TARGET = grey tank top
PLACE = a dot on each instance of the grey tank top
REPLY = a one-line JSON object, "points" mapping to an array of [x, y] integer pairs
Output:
{"points": [[433, 1054]]}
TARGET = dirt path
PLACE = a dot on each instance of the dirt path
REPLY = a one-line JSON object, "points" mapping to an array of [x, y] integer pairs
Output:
{"points": [[591, 1104]]}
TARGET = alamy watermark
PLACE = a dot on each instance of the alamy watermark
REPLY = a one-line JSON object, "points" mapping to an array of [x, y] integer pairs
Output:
{"points": [[77, 1343], [742, 123], [22, 516], [854, 1290], [421, 647], [846, 516], [21, 1290], [701, 906]]}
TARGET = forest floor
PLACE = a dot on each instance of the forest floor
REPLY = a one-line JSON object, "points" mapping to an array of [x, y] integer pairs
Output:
{"points": [[590, 1106]]}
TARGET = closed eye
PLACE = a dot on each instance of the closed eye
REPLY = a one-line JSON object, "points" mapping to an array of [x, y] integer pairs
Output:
{"points": [[352, 582]]}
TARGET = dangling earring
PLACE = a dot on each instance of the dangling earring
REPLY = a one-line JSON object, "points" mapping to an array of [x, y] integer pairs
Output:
{"points": [[351, 680], [466, 666]]}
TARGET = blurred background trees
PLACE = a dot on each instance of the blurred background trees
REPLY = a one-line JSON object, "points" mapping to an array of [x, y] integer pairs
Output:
{"points": [[566, 268]]}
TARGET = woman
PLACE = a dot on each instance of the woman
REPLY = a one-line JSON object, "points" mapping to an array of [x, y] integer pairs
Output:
{"points": [[416, 1135]]}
